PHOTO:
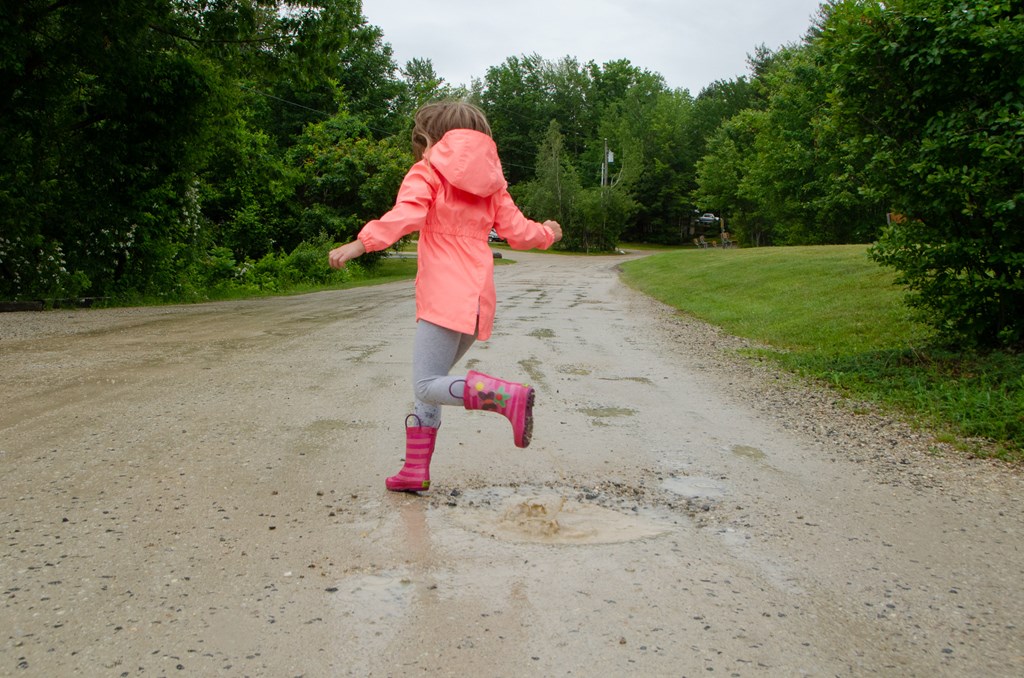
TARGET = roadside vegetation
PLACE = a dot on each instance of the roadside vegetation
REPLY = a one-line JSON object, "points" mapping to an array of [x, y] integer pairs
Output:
{"points": [[831, 314], [217, 276], [182, 150]]}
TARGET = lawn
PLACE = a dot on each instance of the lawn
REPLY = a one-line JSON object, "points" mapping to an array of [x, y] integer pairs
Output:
{"points": [[829, 313]]}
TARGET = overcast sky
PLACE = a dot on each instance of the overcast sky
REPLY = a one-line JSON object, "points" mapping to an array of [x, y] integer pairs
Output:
{"points": [[691, 43]]}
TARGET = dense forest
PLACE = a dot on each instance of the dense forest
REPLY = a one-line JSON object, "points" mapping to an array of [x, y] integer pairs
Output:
{"points": [[159, 148]]}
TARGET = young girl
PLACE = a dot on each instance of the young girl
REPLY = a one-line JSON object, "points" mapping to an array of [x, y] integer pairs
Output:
{"points": [[454, 195]]}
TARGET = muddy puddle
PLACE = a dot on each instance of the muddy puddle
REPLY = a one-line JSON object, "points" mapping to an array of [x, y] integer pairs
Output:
{"points": [[372, 597], [748, 452], [692, 487], [549, 517]]}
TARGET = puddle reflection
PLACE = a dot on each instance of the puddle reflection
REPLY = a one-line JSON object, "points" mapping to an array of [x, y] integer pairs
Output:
{"points": [[693, 487]]}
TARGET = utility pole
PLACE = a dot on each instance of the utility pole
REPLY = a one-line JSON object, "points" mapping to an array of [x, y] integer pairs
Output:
{"points": [[604, 165], [606, 183], [604, 191]]}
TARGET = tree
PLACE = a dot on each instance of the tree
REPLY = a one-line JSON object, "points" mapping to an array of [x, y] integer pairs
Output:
{"points": [[591, 218], [516, 101], [423, 84], [798, 176], [104, 120], [346, 177], [663, 169], [723, 177], [715, 104], [945, 156], [570, 89], [553, 194]]}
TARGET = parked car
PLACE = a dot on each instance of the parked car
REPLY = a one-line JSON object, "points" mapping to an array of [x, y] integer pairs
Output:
{"points": [[707, 218], [494, 237]]}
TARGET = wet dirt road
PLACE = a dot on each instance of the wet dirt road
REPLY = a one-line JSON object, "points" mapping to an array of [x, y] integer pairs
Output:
{"points": [[199, 491]]}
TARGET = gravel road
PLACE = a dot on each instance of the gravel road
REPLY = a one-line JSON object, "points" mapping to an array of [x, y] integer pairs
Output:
{"points": [[199, 490]]}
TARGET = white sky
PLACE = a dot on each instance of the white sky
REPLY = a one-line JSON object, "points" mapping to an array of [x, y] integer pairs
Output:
{"points": [[691, 43]]}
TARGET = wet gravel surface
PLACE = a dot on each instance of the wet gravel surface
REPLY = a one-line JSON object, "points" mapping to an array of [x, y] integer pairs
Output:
{"points": [[892, 449], [199, 490]]}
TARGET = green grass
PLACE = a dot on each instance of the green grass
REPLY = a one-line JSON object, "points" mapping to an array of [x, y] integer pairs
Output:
{"points": [[831, 314]]}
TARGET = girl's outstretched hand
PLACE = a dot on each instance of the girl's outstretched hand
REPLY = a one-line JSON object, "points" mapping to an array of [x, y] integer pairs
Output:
{"points": [[556, 229], [340, 256]]}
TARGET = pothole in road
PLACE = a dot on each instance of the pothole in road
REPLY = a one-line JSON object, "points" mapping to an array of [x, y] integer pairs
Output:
{"points": [[607, 412], [532, 367], [748, 452], [692, 487], [575, 370], [371, 597], [547, 516]]}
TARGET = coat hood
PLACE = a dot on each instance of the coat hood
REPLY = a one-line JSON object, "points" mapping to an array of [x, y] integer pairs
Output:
{"points": [[468, 160]]}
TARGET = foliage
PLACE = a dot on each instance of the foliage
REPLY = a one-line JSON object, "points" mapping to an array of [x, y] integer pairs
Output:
{"points": [[630, 109], [344, 175], [716, 103], [723, 177], [591, 218], [555, 191], [778, 169], [423, 85], [248, 191], [515, 103], [147, 144], [647, 129], [132, 113], [104, 123], [219, 275], [602, 212], [945, 156]]}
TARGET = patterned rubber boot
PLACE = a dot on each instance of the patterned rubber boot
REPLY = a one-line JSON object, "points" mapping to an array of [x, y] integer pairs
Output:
{"points": [[509, 399], [419, 447]]}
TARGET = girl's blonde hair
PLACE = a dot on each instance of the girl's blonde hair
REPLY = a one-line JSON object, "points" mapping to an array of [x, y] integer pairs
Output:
{"points": [[432, 121]]}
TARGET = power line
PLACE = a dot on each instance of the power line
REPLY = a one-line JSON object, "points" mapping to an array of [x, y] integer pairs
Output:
{"points": [[285, 101]]}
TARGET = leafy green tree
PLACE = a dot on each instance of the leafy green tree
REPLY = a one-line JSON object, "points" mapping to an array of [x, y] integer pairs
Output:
{"points": [[570, 90], [104, 121], [645, 127], [345, 178], [723, 177], [369, 77], [518, 109], [930, 91], [715, 104], [665, 159], [298, 62], [604, 213], [713, 107], [592, 219], [780, 169], [294, 65], [643, 123], [248, 191], [796, 175], [554, 193], [422, 85]]}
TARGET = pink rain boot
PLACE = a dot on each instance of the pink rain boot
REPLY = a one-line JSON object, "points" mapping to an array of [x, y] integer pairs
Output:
{"points": [[419, 447], [513, 401]]}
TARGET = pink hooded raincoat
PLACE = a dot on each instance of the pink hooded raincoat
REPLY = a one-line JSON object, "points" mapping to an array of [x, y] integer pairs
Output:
{"points": [[454, 197]]}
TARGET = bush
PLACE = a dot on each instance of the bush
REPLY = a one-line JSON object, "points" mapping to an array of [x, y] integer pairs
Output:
{"points": [[945, 155], [307, 264]]}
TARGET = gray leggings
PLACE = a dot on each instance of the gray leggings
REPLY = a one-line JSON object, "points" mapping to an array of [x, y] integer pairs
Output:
{"points": [[435, 351]]}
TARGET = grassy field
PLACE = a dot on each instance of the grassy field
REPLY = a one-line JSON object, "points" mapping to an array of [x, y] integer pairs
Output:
{"points": [[829, 313]]}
